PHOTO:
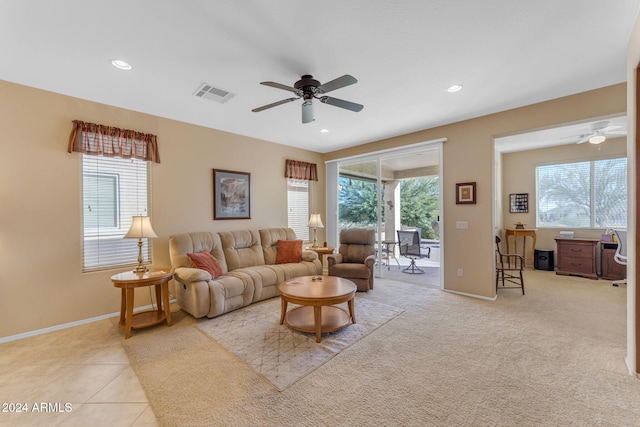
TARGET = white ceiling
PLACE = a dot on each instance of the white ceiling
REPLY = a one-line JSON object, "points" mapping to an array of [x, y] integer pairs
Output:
{"points": [[506, 53], [567, 134]]}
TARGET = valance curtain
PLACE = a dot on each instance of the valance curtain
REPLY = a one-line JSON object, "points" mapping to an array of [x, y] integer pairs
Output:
{"points": [[108, 141], [301, 170]]}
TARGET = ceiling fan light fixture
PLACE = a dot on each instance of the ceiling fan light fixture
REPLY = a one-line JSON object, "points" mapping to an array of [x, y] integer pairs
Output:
{"points": [[121, 64], [308, 88], [324, 130], [454, 88], [597, 139]]}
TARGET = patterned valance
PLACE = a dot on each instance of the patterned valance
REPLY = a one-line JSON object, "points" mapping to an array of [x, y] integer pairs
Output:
{"points": [[301, 170], [108, 141]]}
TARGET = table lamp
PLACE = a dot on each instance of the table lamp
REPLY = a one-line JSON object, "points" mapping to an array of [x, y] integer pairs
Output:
{"points": [[140, 228], [315, 222]]}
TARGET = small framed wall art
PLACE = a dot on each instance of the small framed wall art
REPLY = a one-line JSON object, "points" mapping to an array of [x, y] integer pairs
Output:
{"points": [[466, 193], [519, 203], [231, 195]]}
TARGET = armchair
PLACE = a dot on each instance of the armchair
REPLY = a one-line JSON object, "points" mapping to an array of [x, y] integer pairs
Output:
{"points": [[355, 257]]}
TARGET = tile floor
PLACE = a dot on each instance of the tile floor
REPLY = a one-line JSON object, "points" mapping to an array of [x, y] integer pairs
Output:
{"points": [[80, 374]]}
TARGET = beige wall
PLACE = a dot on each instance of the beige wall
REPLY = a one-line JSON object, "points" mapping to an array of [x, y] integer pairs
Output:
{"points": [[518, 176], [41, 283], [468, 155]]}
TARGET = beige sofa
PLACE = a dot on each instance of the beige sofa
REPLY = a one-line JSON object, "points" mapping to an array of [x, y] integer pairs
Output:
{"points": [[248, 262]]}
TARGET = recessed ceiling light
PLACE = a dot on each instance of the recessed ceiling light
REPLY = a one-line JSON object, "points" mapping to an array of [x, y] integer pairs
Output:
{"points": [[119, 63], [454, 88], [324, 130]]}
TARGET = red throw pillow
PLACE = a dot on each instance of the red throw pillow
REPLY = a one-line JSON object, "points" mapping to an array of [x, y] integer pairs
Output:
{"points": [[205, 261], [289, 251]]}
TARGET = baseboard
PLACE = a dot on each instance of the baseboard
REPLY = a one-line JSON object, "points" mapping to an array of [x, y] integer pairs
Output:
{"points": [[69, 325], [471, 295]]}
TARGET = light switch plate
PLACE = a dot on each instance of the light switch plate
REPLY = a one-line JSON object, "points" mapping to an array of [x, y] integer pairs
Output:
{"points": [[462, 225]]}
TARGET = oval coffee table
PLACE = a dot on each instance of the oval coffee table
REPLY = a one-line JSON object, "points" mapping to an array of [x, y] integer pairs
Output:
{"points": [[317, 296]]}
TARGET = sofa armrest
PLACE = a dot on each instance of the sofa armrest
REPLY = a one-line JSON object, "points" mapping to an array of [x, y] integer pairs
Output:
{"points": [[185, 274], [309, 255], [334, 259], [370, 260]]}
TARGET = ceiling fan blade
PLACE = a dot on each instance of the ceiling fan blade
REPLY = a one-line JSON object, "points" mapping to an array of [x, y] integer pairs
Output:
{"points": [[280, 86], [616, 132], [307, 112], [341, 103], [275, 104], [583, 139], [338, 83], [609, 128]]}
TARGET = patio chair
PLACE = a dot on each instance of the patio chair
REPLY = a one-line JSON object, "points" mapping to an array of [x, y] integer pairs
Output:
{"points": [[409, 246]]}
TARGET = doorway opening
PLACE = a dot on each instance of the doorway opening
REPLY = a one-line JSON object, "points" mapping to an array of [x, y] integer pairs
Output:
{"points": [[390, 192]]}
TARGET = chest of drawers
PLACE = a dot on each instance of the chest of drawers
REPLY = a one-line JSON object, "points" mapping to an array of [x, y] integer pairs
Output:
{"points": [[611, 269], [577, 257]]}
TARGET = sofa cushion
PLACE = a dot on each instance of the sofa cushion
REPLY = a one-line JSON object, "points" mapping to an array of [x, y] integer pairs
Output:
{"points": [[269, 238], [289, 251], [242, 248], [205, 261], [182, 244]]}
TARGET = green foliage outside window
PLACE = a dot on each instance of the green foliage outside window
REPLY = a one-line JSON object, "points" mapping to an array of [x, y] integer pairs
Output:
{"points": [[419, 204]]}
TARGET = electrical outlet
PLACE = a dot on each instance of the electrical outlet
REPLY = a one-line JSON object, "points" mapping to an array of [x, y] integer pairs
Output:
{"points": [[460, 272]]}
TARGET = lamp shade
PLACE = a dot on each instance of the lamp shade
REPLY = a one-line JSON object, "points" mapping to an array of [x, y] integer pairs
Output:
{"points": [[140, 227], [315, 221]]}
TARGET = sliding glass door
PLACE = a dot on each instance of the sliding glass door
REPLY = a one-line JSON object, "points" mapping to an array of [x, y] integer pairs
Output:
{"points": [[398, 189]]}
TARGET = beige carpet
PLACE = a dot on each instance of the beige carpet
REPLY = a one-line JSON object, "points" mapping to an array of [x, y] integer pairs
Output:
{"points": [[280, 354], [554, 357]]}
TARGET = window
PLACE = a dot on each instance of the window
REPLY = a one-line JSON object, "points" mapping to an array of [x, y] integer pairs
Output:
{"points": [[589, 194], [113, 190], [298, 207]]}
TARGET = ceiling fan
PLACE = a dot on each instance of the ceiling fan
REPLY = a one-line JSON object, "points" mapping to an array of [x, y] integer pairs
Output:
{"points": [[599, 133], [308, 88]]}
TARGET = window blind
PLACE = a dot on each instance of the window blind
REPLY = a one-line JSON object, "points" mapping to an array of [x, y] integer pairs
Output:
{"points": [[113, 190], [298, 207], [590, 194]]}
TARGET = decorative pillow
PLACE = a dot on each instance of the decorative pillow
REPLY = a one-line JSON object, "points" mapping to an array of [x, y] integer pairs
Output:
{"points": [[205, 261], [289, 251]]}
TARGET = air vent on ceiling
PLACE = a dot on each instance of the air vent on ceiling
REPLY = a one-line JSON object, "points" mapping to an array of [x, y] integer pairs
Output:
{"points": [[213, 93]]}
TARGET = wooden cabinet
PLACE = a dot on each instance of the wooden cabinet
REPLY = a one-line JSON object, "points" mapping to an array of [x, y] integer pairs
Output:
{"points": [[611, 270], [577, 257]]}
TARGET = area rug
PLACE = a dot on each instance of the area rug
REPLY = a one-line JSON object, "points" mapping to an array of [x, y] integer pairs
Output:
{"points": [[280, 354]]}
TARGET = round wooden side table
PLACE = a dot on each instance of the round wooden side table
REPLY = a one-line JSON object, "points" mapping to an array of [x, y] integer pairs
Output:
{"points": [[128, 282], [322, 251]]}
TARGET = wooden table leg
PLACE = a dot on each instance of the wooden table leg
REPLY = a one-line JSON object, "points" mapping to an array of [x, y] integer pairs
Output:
{"points": [[533, 251], [284, 304], [123, 307], [317, 314], [129, 314], [352, 312], [159, 298]]}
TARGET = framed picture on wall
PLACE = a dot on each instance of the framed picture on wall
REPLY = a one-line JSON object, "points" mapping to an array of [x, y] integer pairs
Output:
{"points": [[231, 195], [519, 203], [466, 193]]}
